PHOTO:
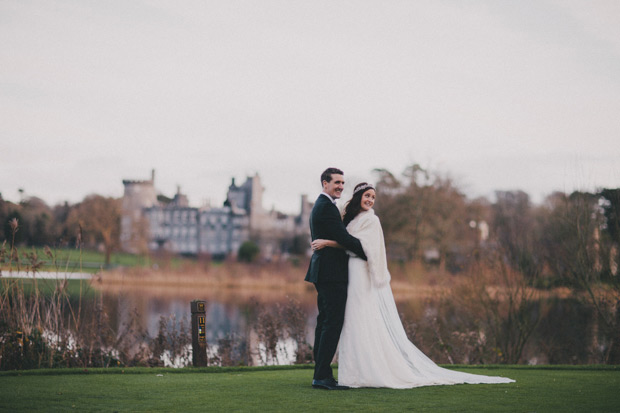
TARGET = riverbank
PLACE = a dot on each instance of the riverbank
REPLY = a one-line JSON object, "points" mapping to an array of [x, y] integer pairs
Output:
{"points": [[44, 275], [234, 282], [279, 280]]}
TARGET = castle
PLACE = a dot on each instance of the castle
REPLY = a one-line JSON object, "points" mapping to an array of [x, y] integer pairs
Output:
{"points": [[152, 222]]}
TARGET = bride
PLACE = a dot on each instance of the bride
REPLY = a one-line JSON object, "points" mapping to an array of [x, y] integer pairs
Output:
{"points": [[374, 350]]}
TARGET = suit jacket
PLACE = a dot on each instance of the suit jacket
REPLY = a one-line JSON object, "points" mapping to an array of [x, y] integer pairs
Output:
{"points": [[330, 264]]}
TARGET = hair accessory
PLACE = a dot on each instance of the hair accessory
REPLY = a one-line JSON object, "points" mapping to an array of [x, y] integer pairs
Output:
{"points": [[363, 188]]}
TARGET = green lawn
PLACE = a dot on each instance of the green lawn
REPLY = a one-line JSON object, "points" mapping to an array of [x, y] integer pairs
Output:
{"points": [[47, 286], [538, 389], [89, 261]]}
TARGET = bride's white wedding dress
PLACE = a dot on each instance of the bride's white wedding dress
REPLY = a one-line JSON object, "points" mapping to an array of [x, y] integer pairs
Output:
{"points": [[374, 350]]}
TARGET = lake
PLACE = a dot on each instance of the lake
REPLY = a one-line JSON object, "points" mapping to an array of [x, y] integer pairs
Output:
{"points": [[565, 330], [256, 324]]}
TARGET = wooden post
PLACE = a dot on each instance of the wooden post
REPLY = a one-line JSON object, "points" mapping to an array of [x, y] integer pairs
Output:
{"points": [[199, 336]]}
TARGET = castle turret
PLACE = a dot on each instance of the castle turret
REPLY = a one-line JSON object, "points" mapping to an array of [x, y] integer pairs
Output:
{"points": [[137, 196], [257, 214]]}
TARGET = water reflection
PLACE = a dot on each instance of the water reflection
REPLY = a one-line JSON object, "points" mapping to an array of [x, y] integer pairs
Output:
{"points": [[566, 332], [226, 311]]}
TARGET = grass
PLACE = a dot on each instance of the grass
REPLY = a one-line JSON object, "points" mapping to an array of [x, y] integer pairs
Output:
{"points": [[47, 286], [90, 261], [287, 388]]}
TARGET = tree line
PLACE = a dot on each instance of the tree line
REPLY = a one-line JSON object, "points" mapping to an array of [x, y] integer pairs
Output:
{"points": [[92, 223], [569, 238]]}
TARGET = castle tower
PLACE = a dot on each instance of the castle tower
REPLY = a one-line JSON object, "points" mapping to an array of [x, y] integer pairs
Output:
{"points": [[249, 197], [136, 196], [304, 215], [257, 214]]}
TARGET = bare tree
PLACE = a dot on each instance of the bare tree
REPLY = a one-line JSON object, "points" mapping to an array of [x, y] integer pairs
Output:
{"points": [[574, 250], [99, 218], [422, 210], [514, 228]]}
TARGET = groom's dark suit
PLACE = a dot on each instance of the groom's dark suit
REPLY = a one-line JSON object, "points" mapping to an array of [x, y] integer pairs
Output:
{"points": [[329, 271]]}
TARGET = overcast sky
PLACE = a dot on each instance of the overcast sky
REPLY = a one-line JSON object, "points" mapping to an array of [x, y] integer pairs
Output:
{"points": [[501, 95]]}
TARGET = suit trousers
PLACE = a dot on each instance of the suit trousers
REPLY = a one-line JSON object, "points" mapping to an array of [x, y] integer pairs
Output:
{"points": [[331, 301]]}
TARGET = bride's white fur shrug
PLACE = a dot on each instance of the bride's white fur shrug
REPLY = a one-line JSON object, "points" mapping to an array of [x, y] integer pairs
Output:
{"points": [[367, 228]]}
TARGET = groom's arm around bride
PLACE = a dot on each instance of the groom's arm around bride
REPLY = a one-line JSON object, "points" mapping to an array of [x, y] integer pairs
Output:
{"points": [[330, 264]]}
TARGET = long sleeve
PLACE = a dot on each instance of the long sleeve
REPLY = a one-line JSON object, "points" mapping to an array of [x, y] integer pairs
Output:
{"points": [[330, 264]]}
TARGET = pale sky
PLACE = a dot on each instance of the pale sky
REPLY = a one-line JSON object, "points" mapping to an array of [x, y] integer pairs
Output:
{"points": [[500, 95]]}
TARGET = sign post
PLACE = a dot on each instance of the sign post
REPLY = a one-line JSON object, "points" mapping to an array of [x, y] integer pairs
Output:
{"points": [[199, 334]]}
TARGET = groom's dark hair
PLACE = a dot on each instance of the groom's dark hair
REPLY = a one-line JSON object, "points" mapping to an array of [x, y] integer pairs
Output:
{"points": [[327, 174]]}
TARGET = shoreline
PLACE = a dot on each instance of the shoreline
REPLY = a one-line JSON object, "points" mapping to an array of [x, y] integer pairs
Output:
{"points": [[46, 275]]}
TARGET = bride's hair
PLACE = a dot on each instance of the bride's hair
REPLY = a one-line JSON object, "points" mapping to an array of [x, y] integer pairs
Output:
{"points": [[354, 206]]}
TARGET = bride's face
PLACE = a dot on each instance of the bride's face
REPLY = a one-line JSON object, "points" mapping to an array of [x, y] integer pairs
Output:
{"points": [[368, 199]]}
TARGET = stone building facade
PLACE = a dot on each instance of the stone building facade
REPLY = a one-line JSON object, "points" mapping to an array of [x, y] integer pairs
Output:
{"points": [[152, 223]]}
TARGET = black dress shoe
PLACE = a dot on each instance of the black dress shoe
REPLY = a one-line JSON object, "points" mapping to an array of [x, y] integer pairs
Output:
{"points": [[328, 384]]}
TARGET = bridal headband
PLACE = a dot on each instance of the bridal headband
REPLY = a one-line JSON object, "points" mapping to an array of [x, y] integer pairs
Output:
{"points": [[363, 188]]}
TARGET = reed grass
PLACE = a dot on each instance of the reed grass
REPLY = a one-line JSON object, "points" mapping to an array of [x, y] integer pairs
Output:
{"points": [[45, 323]]}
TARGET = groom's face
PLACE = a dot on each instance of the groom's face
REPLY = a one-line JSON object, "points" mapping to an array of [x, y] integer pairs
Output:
{"points": [[334, 187]]}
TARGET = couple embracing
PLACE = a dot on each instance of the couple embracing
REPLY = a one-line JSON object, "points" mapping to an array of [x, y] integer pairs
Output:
{"points": [[356, 307]]}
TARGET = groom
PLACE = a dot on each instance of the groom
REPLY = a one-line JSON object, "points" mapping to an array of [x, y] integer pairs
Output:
{"points": [[329, 272]]}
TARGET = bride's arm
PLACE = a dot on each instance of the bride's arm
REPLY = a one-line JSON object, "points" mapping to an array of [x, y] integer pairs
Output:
{"points": [[318, 244]]}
